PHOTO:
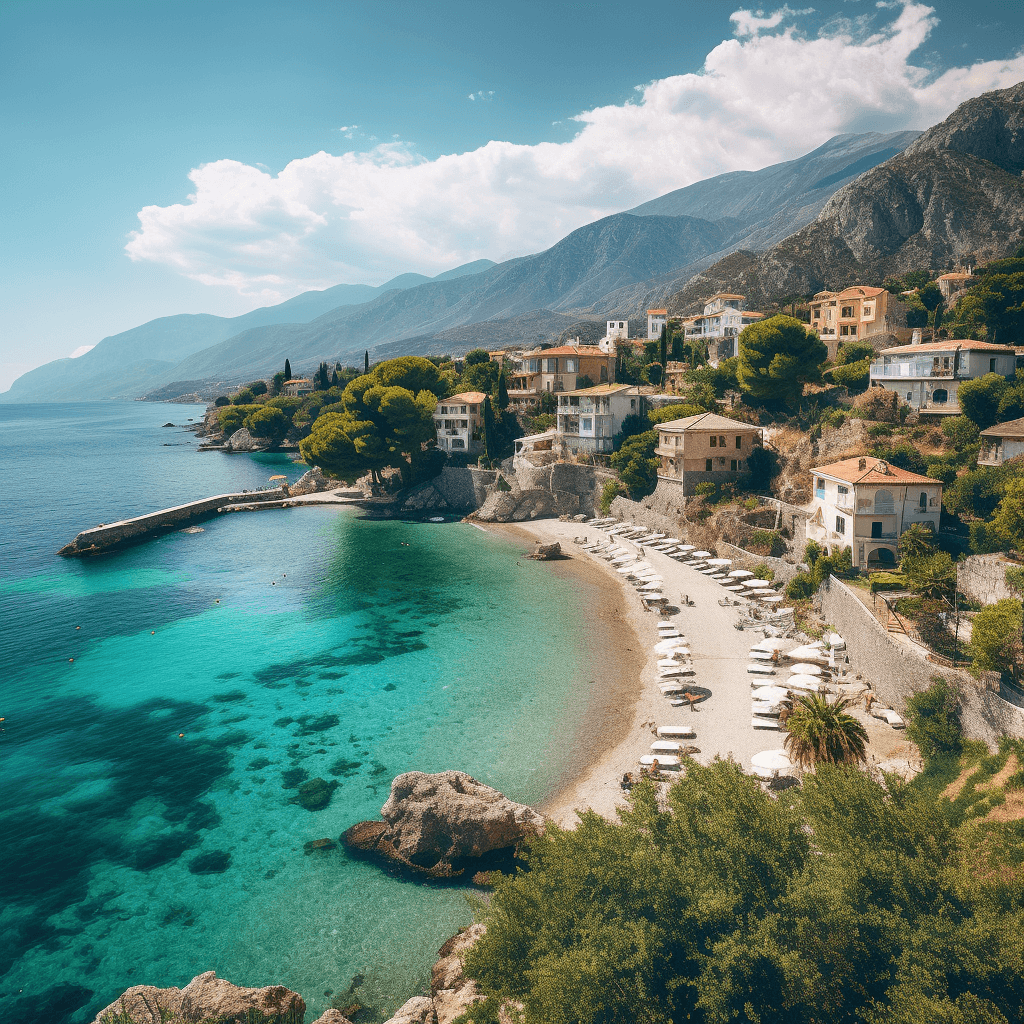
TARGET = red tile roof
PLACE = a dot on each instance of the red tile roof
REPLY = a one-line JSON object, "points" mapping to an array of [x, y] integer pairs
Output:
{"points": [[947, 346], [469, 397], [657, 312], [874, 471], [571, 350]]}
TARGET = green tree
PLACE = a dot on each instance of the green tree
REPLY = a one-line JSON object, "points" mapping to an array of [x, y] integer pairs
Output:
{"points": [[637, 464], [287, 370], [609, 492], [663, 353], [917, 315], [677, 346], [231, 417], [1008, 521], [996, 636], [257, 387], [960, 431], [654, 372], [933, 720], [979, 398], [335, 379], [270, 422], [476, 356], [242, 397], [931, 575], [937, 317], [777, 357], [855, 376], [366, 361], [930, 296], [490, 438], [502, 401], [823, 732], [854, 352], [222, 400], [277, 382], [917, 542]]}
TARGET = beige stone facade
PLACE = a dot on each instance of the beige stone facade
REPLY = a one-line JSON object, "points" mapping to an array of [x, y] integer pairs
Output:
{"points": [[706, 448]]}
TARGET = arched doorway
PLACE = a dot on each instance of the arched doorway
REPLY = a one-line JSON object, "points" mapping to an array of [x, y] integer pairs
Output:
{"points": [[881, 559]]}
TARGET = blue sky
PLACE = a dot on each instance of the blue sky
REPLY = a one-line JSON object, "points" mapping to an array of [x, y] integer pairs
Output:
{"points": [[109, 107]]}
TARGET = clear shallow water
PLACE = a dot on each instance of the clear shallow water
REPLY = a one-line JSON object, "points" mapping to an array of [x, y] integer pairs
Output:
{"points": [[335, 651]]}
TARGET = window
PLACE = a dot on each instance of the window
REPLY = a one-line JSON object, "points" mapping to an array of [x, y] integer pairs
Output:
{"points": [[444, 410], [843, 489], [923, 501], [586, 423], [853, 330], [708, 465], [604, 374], [940, 395], [910, 396], [847, 312], [876, 530], [840, 525], [733, 466], [570, 366], [458, 442], [739, 440], [463, 410], [991, 366], [714, 441], [867, 311], [721, 441]]}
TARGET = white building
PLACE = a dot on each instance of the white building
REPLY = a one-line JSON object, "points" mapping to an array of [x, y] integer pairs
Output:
{"points": [[459, 422], [617, 330], [926, 377], [656, 321], [720, 325], [866, 505], [1002, 442], [589, 419]]}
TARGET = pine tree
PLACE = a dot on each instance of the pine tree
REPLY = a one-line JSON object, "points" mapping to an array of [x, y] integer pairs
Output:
{"points": [[287, 370], [502, 392], [366, 361]]}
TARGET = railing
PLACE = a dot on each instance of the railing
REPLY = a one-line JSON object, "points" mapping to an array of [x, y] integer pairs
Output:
{"points": [[909, 368], [877, 536]]}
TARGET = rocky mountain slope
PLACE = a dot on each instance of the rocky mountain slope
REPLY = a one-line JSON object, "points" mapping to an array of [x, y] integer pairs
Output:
{"points": [[954, 194]]}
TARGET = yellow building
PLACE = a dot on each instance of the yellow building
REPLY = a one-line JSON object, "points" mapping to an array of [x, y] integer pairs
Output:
{"points": [[855, 314]]}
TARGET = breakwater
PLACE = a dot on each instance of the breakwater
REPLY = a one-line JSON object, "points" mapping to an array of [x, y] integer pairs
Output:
{"points": [[110, 536]]}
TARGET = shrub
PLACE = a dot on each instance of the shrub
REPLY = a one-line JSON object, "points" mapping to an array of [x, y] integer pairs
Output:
{"points": [[812, 551], [244, 397], [885, 581], [763, 571], [222, 400], [960, 431], [767, 542], [996, 636], [801, 587], [611, 490], [705, 490], [933, 720]]}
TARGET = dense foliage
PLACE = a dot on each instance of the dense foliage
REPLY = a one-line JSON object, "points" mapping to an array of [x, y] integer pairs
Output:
{"points": [[850, 902], [777, 357]]}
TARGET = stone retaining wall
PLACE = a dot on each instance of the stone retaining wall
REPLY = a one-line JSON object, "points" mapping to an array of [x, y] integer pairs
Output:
{"points": [[982, 578], [636, 512], [743, 559], [895, 670], [129, 531]]}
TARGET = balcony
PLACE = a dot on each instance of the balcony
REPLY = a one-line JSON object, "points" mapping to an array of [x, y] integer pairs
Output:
{"points": [[888, 536], [909, 368]]}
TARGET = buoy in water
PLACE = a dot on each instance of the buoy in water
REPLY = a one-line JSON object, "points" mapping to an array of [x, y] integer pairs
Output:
{"points": [[71, 659], [152, 632], [78, 627], [218, 600], [181, 735]]}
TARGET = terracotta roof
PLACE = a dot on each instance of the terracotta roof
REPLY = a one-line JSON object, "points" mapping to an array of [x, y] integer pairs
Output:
{"points": [[705, 421], [724, 295], [604, 389], [296, 380], [469, 397], [859, 291], [958, 275], [570, 350], [657, 312], [947, 346], [1011, 428], [874, 471]]}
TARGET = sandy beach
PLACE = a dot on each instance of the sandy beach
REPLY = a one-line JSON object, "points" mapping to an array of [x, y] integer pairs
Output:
{"points": [[635, 707]]}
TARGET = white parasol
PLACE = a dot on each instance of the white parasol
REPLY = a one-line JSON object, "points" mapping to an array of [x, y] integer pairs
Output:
{"points": [[772, 762], [806, 669], [802, 682], [770, 693], [740, 574]]}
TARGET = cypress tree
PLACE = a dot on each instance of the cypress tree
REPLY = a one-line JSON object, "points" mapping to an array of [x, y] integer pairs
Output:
{"points": [[334, 380], [366, 361], [287, 370], [490, 440], [664, 345], [502, 392]]}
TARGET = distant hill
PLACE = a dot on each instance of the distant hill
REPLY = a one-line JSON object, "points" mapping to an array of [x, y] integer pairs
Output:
{"points": [[126, 365], [956, 194]]}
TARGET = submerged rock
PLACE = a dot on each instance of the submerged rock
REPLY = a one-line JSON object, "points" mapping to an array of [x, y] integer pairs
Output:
{"points": [[440, 824], [211, 863], [316, 794], [315, 845], [205, 997]]}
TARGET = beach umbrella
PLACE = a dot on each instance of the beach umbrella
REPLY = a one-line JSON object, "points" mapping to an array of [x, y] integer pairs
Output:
{"points": [[668, 663], [771, 643], [807, 653], [669, 646], [671, 540], [686, 548], [701, 554], [666, 622], [773, 694], [625, 570], [801, 682], [719, 561], [806, 670], [772, 599], [648, 587], [740, 574], [772, 762]]}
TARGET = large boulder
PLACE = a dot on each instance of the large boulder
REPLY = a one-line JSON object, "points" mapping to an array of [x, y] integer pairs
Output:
{"points": [[205, 997], [440, 824], [418, 1010], [310, 482], [242, 441], [547, 552]]}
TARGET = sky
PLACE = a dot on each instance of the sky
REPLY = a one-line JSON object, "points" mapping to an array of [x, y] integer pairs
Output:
{"points": [[172, 156]]}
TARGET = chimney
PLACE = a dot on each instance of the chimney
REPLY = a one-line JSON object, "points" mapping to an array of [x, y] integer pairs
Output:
{"points": [[915, 338], [862, 464]]}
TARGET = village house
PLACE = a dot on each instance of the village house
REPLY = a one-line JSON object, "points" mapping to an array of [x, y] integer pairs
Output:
{"points": [[855, 314], [720, 325], [927, 376], [1002, 442], [953, 285], [866, 504], [589, 418], [459, 422], [656, 320], [616, 330], [706, 448], [297, 387], [565, 368]]}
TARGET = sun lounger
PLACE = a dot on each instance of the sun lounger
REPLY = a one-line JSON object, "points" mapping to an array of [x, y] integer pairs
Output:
{"points": [[894, 720], [676, 731], [666, 747], [765, 723], [761, 670], [667, 761]]}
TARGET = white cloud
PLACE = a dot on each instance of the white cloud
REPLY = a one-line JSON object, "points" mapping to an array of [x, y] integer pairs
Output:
{"points": [[770, 93], [81, 350], [482, 95]]}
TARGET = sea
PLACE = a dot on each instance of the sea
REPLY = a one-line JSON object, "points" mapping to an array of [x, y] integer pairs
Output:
{"points": [[160, 707]]}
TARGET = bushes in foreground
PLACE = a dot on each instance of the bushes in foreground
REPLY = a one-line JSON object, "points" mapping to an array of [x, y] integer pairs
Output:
{"points": [[846, 902]]}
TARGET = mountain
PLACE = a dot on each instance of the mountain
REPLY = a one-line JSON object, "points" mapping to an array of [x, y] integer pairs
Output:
{"points": [[616, 266], [126, 365], [954, 195]]}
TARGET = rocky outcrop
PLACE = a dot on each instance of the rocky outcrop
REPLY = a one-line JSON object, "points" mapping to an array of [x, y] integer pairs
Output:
{"points": [[242, 441], [332, 1017], [310, 482], [453, 993], [441, 824], [205, 997], [547, 552], [418, 1010]]}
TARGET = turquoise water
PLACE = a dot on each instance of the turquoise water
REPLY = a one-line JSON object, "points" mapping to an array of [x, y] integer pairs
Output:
{"points": [[147, 805]]}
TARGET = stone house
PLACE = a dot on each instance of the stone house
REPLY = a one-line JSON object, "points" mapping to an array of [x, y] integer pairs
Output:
{"points": [[557, 370], [459, 422], [866, 505], [706, 448], [953, 285], [588, 419], [856, 314], [1001, 442], [927, 376], [297, 387], [656, 320]]}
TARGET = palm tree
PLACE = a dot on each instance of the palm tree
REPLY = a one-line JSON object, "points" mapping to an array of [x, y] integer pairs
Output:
{"points": [[916, 542], [819, 731]]}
